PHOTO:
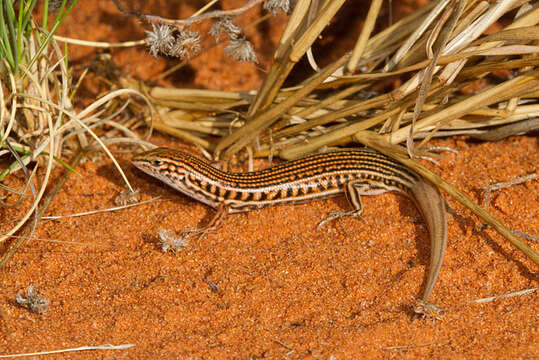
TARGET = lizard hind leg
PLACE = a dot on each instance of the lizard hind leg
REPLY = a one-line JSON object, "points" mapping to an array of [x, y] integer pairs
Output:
{"points": [[352, 190]]}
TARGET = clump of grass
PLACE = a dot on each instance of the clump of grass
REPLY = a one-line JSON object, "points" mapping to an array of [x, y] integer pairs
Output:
{"points": [[39, 124], [16, 27]]}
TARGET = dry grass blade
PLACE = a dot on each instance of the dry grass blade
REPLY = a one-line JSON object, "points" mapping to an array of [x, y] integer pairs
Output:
{"points": [[275, 79], [517, 86], [419, 31], [99, 44], [505, 296], [196, 95], [334, 137], [245, 135], [82, 348], [429, 70], [366, 31]]}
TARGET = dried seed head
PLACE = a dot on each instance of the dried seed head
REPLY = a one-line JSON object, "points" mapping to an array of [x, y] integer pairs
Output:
{"points": [[275, 5], [32, 301], [241, 50], [160, 39], [127, 197], [170, 41], [186, 43], [170, 242], [226, 25]]}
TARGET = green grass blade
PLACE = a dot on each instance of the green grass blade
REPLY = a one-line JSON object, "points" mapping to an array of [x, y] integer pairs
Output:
{"points": [[10, 20], [45, 24], [20, 31], [11, 167], [27, 16], [58, 20], [26, 153], [64, 164], [5, 45]]}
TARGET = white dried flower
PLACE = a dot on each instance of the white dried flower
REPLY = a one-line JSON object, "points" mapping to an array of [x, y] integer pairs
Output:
{"points": [[170, 242], [170, 41], [160, 39], [186, 43], [241, 50], [225, 25], [32, 301], [127, 197], [275, 5]]}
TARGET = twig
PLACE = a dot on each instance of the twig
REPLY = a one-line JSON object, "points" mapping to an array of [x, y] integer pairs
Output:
{"points": [[100, 210], [517, 293], [525, 236], [505, 184], [502, 132], [290, 350], [82, 348], [283, 345], [188, 21]]}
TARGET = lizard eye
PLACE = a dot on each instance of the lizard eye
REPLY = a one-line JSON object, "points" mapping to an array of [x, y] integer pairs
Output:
{"points": [[157, 162]]}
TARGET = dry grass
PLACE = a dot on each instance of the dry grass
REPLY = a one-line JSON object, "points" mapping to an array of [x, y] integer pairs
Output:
{"points": [[440, 48], [39, 124]]}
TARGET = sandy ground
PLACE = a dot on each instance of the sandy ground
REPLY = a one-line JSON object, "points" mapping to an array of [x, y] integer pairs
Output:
{"points": [[269, 283]]}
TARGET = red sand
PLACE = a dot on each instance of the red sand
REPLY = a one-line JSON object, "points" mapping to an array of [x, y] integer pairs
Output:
{"points": [[284, 288]]}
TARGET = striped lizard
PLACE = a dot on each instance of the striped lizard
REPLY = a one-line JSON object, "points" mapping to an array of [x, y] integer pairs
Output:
{"points": [[352, 172]]}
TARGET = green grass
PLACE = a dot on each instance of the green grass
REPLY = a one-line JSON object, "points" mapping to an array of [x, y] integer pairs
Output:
{"points": [[16, 27]]}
